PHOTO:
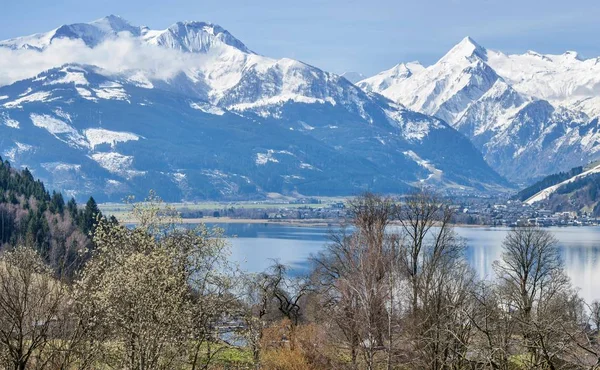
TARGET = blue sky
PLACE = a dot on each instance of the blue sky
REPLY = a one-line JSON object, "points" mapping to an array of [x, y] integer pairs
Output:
{"points": [[365, 36]]}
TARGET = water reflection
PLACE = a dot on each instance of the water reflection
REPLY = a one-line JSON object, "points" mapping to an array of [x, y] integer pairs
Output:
{"points": [[257, 244]]}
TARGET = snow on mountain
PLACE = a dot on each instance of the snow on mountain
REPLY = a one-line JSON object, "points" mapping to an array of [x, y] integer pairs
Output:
{"points": [[492, 112], [193, 37], [555, 78], [97, 136], [91, 34], [446, 88], [225, 122], [514, 108], [546, 193], [390, 77]]}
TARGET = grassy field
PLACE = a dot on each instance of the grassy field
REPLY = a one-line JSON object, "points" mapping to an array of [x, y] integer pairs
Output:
{"points": [[120, 210]]}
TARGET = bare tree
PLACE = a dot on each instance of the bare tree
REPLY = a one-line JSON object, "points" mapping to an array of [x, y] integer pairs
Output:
{"points": [[354, 277], [536, 292], [584, 336], [438, 282], [428, 241], [254, 311], [30, 302], [493, 326]]}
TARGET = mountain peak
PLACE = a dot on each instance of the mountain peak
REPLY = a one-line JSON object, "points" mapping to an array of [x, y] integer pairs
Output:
{"points": [[111, 18], [467, 48], [573, 55], [409, 67], [114, 24], [194, 36]]}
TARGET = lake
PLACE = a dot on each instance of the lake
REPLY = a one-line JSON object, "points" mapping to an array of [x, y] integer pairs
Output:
{"points": [[256, 245]]}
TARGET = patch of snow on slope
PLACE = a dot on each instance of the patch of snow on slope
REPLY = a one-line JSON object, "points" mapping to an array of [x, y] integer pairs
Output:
{"points": [[85, 93], [114, 93], [306, 166], [207, 108], [544, 194], [23, 147], [57, 127], [306, 126], [111, 90], [62, 114], [7, 121], [281, 99], [139, 79], [41, 96], [71, 77], [413, 130], [97, 136], [19, 148], [264, 158], [179, 177], [60, 166], [117, 163], [435, 174]]}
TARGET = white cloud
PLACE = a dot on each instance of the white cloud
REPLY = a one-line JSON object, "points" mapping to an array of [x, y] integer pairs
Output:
{"points": [[113, 55]]}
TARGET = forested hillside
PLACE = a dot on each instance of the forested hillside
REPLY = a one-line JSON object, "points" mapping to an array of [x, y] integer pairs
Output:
{"points": [[32, 216], [547, 182], [581, 195]]}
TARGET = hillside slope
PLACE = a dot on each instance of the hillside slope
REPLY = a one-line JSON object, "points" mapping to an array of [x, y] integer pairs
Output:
{"points": [[31, 216]]}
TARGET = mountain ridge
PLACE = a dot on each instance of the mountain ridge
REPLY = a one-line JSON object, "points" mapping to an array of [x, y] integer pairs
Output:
{"points": [[231, 124], [493, 98]]}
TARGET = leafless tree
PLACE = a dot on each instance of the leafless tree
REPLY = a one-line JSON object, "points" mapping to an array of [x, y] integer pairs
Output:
{"points": [[30, 303], [493, 328], [428, 241], [536, 292], [354, 276], [437, 280]]}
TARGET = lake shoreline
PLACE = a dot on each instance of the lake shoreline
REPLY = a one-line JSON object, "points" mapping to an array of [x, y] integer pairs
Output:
{"points": [[318, 222]]}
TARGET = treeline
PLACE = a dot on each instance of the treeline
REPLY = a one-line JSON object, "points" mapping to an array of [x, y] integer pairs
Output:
{"points": [[32, 216], [547, 182], [162, 296], [581, 194]]}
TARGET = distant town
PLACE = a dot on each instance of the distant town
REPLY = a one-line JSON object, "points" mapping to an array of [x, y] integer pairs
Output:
{"points": [[468, 211]]}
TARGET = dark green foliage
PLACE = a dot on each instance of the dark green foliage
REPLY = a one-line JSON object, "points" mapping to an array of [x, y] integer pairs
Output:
{"points": [[72, 208], [7, 221], [546, 182], [30, 216], [579, 195], [57, 203], [589, 184]]}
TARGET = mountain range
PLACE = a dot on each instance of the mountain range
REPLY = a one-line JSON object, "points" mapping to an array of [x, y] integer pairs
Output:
{"points": [[193, 113], [530, 115]]}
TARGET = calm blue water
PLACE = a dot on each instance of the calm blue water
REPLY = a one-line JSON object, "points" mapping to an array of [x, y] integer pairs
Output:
{"points": [[255, 246]]}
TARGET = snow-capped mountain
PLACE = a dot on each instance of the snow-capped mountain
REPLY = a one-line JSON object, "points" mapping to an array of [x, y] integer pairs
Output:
{"points": [[391, 77], [193, 113], [517, 109]]}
